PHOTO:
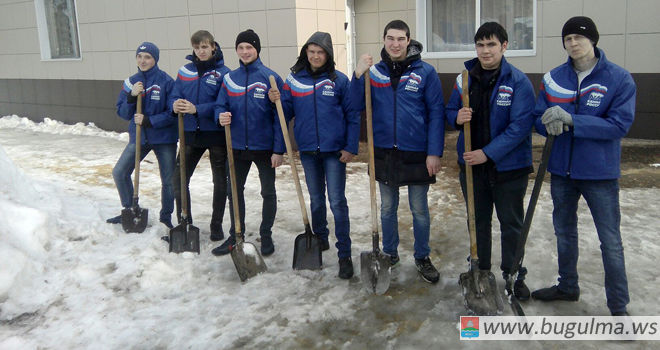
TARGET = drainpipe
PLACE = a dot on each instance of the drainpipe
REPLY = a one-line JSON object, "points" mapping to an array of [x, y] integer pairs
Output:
{"points": [[349, 28]]}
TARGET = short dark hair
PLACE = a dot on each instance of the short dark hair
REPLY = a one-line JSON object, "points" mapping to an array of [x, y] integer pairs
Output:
{"points": [[200, 36], [397, 24], [491, 29]]}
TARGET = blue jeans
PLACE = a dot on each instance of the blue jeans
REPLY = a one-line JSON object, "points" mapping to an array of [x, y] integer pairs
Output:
{"points": [[166, 155], [389, 197], [322, 168], [602, 197]]}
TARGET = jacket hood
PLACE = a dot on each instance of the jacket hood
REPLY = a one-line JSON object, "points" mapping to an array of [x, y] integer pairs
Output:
{"points": [[217, 60], [324, 40]]}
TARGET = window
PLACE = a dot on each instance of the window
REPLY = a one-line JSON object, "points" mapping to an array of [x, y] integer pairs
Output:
{"points": [[58, 29], [447, 27]]}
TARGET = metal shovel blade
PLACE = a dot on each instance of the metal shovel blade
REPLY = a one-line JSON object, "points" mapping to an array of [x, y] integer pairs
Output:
{"points": [[480, 292], [247, 260], [375, 271], [184, 238], [307, 251], [134, 219]]}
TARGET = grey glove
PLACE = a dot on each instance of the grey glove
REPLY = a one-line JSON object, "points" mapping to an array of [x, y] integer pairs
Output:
{"points": [[554, 119]]}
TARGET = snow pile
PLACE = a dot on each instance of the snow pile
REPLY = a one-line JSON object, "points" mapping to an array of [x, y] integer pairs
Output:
{"points": [[56, 127]]}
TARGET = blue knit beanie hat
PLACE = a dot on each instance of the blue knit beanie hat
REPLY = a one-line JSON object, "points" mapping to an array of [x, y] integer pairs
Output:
{"points": [[149, 48]]}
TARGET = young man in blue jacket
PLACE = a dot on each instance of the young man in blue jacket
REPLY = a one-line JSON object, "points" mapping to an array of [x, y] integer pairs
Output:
{"points": [[327, 131], [158, 129], [500, 117], [408, 132], [257, 138], [195, 91], [588, 103]]}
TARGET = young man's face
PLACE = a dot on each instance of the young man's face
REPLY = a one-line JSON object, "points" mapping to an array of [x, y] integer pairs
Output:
{"points": [[316, 56], [204, 50], [578, 46], [247, 53], [396, 44], [145, 61], [490, 52]]}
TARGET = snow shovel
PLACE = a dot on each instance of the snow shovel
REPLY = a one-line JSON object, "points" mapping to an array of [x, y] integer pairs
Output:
{"points": [[245, 255], [478, 286], [375, 267], [527, 223], [134, 219], [307, 246], [184, 237]]}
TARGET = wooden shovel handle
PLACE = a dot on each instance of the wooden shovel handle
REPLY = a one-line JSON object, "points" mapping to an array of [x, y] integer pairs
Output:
{"points": [[138, 152], [232, 179], [289, 152], [182, 170], [467, 137], [370, 147]]}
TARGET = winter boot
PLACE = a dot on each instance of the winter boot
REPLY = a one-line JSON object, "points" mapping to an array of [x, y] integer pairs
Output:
{"points": [[267, 246], [520, 290], [394, 259], [225, 247], [325, 245], [167, 222], [114, 220], [217, 234], [345, 268], [427, 270], [554, 293]]}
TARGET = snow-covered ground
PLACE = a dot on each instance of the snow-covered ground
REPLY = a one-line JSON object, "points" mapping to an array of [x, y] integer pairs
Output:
{"points": [[69, 280]]}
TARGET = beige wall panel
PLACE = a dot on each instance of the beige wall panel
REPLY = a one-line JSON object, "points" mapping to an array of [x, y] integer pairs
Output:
{"points": [[340, 5], [609, 15], [386, 17], [641, 55], [200, 7], [6, 66], [5, 17], [18, 17], [99, 36], [327, 22], [200, 22], [116, 36], [85, 68], [82, 9], [177, 59], [280, 4], [157, 32], [306, 4], [553, 53], [340, 37], [224, 6], [614, 47], [252, 5], [282, 27], [114, 10], [225, 28], [175, 8], [340, 58], [133, 9], [531, 64], [95, 10], [556, 12], [325, 4], [135, 34], [368, 29], [154, 8], [256, 21], [643, 16], [85, 33], [119, 67], [101, 62], [178, 32], [392, 5], [371, 49], [306, 23], [412, 23], [362, 6], [280, 59]]}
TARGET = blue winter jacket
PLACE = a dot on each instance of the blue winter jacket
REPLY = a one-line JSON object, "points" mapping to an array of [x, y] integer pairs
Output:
{"points": [[157, 89], [410, 119], [511, 119], [325, 119], [254, 123], [201, 90], [602, 112]]}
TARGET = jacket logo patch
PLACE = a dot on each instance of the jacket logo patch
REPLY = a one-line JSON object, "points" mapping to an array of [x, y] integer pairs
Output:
{"points": [[504, 96], [155, 95], [594, 99], [259, 93], [328, 91], [211, 80], [413, 82]]}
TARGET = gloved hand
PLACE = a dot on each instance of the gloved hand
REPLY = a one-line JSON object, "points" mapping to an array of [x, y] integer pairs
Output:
{"points": [[137, 88], [554, 119]]}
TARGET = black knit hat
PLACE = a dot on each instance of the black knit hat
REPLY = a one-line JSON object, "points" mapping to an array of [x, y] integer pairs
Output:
{"points": [[250, 37], [580, 25]]}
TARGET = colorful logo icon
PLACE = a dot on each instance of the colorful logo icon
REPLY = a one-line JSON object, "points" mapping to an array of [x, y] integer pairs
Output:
{"points": [[469, 327]]}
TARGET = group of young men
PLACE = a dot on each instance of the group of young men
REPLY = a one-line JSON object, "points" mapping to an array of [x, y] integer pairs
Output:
{"points": [[587, 104]]}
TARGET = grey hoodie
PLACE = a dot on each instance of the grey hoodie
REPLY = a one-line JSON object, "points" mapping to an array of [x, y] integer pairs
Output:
{"points": [[324, 40]]}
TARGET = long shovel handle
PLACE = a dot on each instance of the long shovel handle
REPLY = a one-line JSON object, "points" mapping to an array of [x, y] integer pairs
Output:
{"points": [[234, 191], [289, 152], [138, 153], [182, 170], [467, 137], [529, 214], [372, 166]]}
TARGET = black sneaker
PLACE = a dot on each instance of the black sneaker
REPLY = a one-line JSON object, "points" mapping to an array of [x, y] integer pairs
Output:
{"points": [[394, 259], [267, 246], [621, 313], [345, 268], [217, 235], [554, 293], [114, 220], [427, 270], [225, 247], [520, 290], [167, 222], [325, 245]]}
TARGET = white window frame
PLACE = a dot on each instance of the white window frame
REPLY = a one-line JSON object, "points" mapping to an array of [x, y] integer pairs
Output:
{"points": [[42, 29], [421, 34]]}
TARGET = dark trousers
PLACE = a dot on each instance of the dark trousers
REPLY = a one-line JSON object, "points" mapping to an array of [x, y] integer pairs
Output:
{"points": [[507, 197], [218, 159], [268, 195]]}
